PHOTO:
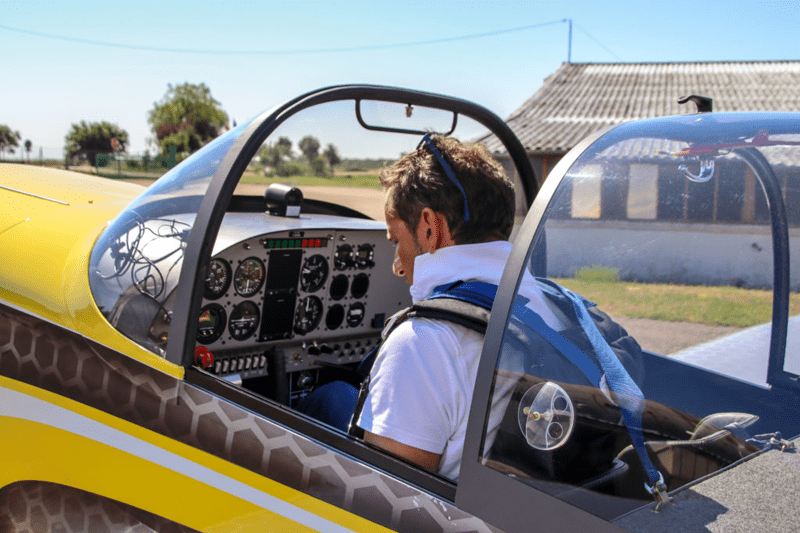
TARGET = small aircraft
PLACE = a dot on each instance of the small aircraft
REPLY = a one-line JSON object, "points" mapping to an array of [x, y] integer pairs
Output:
{"points": [[155, 342]]}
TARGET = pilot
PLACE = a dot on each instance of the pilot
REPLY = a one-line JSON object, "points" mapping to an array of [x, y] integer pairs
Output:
{"points": [[449, 210]]}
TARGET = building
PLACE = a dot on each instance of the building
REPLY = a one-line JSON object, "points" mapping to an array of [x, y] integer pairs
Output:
{"points": [[581, 98]]}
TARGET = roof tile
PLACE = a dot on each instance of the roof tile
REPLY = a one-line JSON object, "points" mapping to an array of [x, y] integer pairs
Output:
{"points": [[580, 98]]}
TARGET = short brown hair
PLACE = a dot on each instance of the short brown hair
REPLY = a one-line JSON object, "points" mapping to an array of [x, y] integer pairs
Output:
{"points": [[418, 180]]}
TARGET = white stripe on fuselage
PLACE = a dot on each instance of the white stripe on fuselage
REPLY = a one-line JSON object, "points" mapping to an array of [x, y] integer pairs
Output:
{"points": [[15, 404]]}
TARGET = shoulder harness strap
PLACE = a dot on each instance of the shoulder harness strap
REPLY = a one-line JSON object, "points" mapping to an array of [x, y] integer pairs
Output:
{"points": [[467, 304]]}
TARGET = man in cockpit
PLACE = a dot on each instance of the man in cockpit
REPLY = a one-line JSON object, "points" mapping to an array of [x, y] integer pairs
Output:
{"points": [[450, 211]]}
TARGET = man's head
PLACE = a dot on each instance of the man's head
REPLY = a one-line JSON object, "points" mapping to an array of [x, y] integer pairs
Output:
{"points": [[428, 207]]}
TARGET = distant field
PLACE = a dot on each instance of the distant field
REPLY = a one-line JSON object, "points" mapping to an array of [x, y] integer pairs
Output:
{"points": [[340, 179], [714, 306]]}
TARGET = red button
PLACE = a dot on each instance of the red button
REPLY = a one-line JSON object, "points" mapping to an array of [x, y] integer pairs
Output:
{"points": [[203, 357]]}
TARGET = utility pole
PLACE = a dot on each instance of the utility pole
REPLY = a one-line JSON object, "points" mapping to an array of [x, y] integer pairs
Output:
{"points": [[569, 44]]}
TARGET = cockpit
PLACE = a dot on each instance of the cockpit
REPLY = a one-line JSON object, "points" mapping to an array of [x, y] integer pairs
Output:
{"points": [[278, 293]]}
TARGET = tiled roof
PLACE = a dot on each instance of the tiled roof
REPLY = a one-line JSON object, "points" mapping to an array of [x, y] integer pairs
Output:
{"points": [[580, 98]]}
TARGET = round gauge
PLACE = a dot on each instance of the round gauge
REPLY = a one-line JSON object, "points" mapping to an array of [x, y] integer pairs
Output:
{"points": [[218, 279], [211, 323], [335, 317], [343, 258], [309, 313], [244, 320], [339, 285], [249, 276], [360, 286], [314, 273], [355, 314], [364, 256]]}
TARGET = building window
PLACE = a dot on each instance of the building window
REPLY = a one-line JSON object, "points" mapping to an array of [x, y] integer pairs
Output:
{"points": [[614, 193], [643, 192], [730, 192], [671, 193], [586, 192], [700, 202]]}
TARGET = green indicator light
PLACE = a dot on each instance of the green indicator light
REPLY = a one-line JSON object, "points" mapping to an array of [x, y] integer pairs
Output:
{"points": [[271, 243], [285, 244]]}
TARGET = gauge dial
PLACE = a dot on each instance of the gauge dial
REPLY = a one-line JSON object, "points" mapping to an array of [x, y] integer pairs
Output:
{"points": [[339, 285], [244, 320], [355, 314], [335, 317], [314, 273], [360, 285], [364, 256], [249, 276], [309, 313], [218, 279], [211, 323], [343, 258]]}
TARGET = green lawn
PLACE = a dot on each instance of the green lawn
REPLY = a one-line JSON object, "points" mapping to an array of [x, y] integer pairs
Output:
{"points": [[722, 306], [343, 179], [339, 180]]}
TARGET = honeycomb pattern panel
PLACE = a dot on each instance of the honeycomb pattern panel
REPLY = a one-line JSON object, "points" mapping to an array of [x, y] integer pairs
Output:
{"points": [[60, 361], [34, 506]]}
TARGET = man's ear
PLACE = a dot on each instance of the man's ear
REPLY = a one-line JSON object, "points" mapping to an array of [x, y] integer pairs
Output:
{"points": [[433, 231]]}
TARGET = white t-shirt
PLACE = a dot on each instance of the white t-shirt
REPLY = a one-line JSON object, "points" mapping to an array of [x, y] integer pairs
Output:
{"points": [[422, 382]]}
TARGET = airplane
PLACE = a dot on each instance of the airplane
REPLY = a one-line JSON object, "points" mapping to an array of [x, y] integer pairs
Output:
{"points": [[155, 342]]}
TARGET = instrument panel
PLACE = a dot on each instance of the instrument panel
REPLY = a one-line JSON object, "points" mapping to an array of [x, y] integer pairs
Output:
{"points": [[314, 296]]}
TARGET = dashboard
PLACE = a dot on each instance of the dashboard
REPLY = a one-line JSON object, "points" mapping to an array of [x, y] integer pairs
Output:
{"points": [[298, 301]]}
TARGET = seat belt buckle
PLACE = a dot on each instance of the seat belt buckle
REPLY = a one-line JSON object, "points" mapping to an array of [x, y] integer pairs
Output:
{"points": [[659, 492]]}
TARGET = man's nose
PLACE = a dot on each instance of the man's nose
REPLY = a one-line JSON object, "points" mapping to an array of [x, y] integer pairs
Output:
{"points": [[397, 267]]}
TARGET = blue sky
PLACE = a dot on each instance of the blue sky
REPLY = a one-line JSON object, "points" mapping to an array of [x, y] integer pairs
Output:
{"points": [[49, 83]]}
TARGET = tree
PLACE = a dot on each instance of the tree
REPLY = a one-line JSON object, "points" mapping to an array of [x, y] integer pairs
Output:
{"points": [[187, 118], [9, 140], [88, 139], [285, 145], [309, 146], [331, 155], [274, 155], [28, 147], [317, 166]]}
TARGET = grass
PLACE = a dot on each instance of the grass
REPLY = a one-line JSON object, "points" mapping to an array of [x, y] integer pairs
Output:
{"points": [[719, 306], [343, 179], [338, 180]]}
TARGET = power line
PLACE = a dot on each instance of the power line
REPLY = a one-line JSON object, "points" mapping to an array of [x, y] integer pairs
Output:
{"points": [[601, 45], [281, 52]]}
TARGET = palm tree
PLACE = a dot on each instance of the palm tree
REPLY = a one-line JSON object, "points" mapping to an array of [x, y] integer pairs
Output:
{"points": [[8, 140], [28, 146]]}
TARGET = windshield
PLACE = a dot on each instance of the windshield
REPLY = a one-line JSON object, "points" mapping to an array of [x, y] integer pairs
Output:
{"points": [[655, 247], [136, 262], [331, 153]]}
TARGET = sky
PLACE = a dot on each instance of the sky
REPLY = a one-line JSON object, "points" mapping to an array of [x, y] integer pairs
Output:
{"points": [[67, 61]]}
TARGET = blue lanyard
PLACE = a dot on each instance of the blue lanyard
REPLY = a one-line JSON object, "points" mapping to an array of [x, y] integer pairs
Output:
{"points": [[626, 393]]}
